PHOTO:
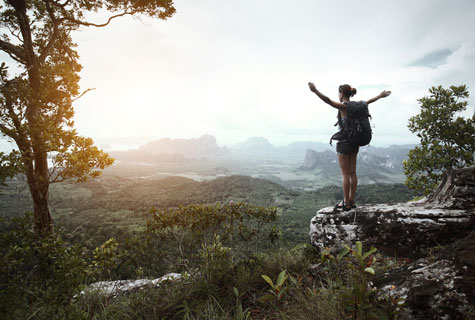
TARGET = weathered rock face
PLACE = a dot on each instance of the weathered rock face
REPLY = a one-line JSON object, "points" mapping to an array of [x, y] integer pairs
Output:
{"points": [[436, 286], [406, 229], [457, 190]]}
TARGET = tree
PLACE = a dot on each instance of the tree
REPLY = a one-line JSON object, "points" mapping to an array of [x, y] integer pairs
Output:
{"points": [[447, 139], [36, 101]]}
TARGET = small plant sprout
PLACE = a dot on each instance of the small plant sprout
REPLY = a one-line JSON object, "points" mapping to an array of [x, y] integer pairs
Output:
{"points": [[277, 290]]}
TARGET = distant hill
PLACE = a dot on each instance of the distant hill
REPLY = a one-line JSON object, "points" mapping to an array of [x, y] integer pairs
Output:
{"points": [[168, 150], [259, 147], [203, 147], [314, 159], [302, 146], [374, 165]]}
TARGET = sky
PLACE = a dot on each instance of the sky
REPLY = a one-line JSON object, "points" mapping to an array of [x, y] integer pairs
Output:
{"points": [[239, 69]]}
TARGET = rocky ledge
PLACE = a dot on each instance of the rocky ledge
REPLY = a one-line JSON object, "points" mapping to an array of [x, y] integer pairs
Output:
{"points": [[404, 229], [438, 233]]}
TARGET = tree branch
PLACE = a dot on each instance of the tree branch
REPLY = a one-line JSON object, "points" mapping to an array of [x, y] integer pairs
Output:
{"points": [[13, 116], [16, 35], [90, 89], [53, 37], [61, 5], [8, 132], [13, 51], [90, 24]]}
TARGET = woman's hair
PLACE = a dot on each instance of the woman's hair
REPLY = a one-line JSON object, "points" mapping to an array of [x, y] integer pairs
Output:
{"points": [[347, 90]]}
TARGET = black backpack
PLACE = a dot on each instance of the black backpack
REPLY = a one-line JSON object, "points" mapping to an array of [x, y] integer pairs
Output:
{"points": [[355, 128]]}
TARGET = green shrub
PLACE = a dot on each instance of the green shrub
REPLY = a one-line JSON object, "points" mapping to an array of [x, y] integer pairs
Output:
{"points": [[38, 277]]}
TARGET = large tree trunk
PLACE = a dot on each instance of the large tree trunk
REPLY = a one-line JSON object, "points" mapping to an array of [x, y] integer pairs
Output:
{"points": [[38, 183], [39, 192], [35, 152]]}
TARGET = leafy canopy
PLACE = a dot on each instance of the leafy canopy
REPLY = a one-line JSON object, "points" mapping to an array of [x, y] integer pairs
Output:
{"points": [[447, 140]]}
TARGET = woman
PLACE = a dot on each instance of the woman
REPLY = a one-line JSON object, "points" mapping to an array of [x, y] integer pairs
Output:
{"points": [[346, 152]]}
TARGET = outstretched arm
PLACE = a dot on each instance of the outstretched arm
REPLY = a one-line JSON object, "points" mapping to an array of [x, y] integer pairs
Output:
{"points": [[334, 104], [383, 94]]}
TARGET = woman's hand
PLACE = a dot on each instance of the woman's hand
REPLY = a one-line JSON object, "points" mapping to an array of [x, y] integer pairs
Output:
{"points": [[312, 87], [383, 94]]}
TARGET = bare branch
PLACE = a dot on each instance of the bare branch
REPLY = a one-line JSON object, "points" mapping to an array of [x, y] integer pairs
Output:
{"points": [[90, 24], [12, 32], [90, 89], [56, 178]]}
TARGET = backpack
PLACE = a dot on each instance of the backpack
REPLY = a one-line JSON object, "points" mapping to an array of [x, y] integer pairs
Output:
{"points": [[356, 128]]}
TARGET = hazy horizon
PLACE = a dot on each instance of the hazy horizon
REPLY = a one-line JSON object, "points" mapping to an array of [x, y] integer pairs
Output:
{"points": [[129, 143]]}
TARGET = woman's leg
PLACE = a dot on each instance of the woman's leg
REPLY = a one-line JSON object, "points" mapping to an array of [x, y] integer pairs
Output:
{"points": [[343, 160], [352, 172]]}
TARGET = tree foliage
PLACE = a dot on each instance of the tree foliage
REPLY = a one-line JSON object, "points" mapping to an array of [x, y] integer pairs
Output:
{"points": [[40, 83], [447, 140]]}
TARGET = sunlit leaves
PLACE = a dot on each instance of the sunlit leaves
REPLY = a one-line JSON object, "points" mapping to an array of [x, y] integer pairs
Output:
{"points": [[80, 160], [447, 140]]}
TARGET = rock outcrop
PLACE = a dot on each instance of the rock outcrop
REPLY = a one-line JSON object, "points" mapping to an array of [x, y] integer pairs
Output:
{"points": [[438, 232], [120, 287], [441, 286], [405, 229]]}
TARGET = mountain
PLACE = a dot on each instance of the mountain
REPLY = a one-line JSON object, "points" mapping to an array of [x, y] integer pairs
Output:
{"points": [[302, 146], [374, 165], [255, 146], [168, 150], [203, 147], [314, 159], [389, 157]]}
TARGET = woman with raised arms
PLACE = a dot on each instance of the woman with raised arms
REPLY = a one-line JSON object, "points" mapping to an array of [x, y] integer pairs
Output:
{"points": [[347, 153]]}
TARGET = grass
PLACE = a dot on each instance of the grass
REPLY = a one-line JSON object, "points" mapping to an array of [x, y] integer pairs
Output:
{"points": [[308, 296]]}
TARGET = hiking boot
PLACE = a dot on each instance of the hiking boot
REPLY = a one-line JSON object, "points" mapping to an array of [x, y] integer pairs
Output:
{"points": [[346, 206], [352, 204]]}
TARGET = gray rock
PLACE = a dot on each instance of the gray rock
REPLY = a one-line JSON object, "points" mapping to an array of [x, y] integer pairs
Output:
{"points": [[119, 287], [405, 229], [438, 287]]}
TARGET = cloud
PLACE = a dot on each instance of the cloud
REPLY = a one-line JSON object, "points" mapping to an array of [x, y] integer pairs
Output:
{"points": [[432, 59]]}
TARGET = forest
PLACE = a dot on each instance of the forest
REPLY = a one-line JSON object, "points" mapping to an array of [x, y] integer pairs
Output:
{"points": [[112, 206]]}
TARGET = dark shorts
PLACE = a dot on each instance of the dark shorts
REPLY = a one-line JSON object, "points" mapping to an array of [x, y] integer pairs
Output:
{"points": [[344, 147]]}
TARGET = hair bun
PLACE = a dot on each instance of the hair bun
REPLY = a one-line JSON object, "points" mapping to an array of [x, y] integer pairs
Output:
{"points": [[347, 90]]}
